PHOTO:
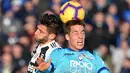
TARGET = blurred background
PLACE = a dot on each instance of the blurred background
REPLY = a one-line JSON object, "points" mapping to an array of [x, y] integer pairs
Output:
{"points": [[107, 31]]}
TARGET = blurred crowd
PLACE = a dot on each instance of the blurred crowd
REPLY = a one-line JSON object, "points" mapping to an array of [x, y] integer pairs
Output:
{"points": [[107, 31]]}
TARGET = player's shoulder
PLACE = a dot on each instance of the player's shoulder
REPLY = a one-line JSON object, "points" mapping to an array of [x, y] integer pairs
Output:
{"points": [[57, 51], [61, 49], [97, 56], [101, 66], [95, 53]]}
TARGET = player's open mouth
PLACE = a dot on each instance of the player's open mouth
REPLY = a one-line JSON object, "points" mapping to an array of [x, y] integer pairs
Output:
{"points": [[80, 43]]}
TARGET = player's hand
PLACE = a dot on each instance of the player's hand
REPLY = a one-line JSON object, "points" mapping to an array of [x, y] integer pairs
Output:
{"points": [[42, 65], [39, 60]]}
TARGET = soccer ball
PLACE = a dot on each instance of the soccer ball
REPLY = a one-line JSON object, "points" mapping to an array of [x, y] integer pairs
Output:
{"points": [[71, 10]]}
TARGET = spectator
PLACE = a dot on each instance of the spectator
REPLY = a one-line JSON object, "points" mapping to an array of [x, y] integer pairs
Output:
{"points": [[17, 52], [35, 2], [30, 19], [122, 6], [6, 5], [113, 11], [124, 33], [118, 55], [28, 9], [7, 49], [126, 66], [29, 27], [7, 63], [3, 40], [99, 34], [126, 15], [60, 39], [56, 8], [8, 20], [26, 45], [104, 52], [112, 29], [87, 4], [12, 35]]}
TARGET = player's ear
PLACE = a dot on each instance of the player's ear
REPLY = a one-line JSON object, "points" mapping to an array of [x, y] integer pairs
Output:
{"points": [[67, 36], [52, 36]]}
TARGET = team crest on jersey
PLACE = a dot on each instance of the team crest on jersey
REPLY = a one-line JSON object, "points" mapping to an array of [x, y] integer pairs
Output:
{"points": [[80, 57]]}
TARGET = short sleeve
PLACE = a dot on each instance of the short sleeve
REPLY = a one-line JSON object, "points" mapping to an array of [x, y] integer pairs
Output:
{"points": [[100, 65]]}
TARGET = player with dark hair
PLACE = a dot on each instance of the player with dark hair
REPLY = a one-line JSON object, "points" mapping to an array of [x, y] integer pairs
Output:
{"points": [[45, 35], [73, 59]]}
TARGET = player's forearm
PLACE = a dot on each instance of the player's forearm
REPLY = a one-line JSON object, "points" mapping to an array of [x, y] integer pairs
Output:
{"points": [[45, 71]]}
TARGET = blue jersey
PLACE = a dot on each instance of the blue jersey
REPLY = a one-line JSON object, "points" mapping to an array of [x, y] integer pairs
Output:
{"points": [[70, 61], [100, 65]]}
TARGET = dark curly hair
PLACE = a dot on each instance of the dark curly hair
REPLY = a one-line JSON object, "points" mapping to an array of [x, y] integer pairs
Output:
{"points": [[52, 22]]}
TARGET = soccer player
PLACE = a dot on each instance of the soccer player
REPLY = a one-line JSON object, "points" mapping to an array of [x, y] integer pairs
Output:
{"points": [[45, 35], [73, 59]]}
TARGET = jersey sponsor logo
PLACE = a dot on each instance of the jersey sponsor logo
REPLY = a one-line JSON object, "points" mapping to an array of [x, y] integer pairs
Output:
{"points": [[81, 64], [80, 67]]}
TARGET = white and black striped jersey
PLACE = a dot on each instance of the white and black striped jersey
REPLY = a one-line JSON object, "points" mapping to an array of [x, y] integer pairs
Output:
{"points": [[43, 52]]}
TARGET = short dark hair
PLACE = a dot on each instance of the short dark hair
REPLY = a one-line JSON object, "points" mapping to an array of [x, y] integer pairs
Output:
{"points": [[52, 22], [71, 23]]}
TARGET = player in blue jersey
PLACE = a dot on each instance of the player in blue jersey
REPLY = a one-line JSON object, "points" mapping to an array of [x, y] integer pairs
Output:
{"points": [[73, 59]]}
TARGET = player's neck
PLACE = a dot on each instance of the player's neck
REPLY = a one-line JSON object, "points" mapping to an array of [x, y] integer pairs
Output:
{"points": [[49, 41], [74, 49]]}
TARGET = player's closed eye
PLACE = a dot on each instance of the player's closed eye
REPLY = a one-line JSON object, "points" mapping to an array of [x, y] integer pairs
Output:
{"points": [[75, 33], [83, 32], [41, 31]]}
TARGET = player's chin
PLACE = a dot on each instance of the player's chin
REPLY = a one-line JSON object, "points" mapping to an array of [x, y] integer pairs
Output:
{"points": [[80, 47], [37, 40]]}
